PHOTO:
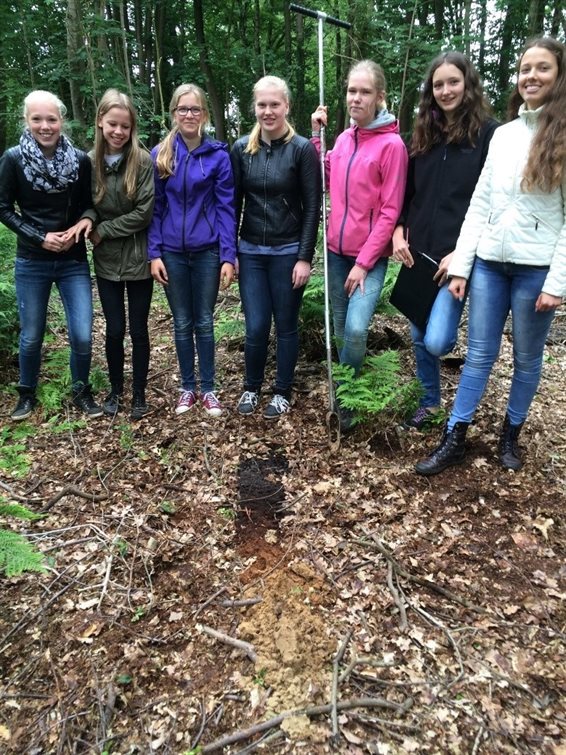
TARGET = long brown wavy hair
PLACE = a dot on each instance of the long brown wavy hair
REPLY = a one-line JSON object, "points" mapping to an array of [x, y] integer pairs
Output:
{"points": [[431, 125], [133, 150], [547, 155]]}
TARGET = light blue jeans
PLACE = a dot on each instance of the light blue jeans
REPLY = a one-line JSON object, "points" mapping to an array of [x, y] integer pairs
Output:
{"points": [[437, 339], [497, 288], [352, 315]]}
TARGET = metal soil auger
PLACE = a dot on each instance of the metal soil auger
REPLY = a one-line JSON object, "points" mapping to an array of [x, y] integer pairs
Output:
{"points": [[332, 417]]}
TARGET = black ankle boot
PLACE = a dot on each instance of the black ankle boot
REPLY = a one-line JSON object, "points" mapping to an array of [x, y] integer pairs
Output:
{"points": [[509, 454], [451, 451]]}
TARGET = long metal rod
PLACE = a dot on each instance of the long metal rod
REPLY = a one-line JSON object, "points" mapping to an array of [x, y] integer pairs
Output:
{"points": [[322, 18]]}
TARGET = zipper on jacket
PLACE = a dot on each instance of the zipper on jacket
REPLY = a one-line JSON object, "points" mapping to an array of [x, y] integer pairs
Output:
{"points": [[291, 213], [371, 220], [346, 203], [185, 197], [268, 153]]}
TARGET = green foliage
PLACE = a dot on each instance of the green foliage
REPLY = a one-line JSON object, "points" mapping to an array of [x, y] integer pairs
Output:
{"points": [[378, 389], [16, 552], [8, 306], [383, 306], [14, 460], [55, 387], [229, 324], [312, 309]]}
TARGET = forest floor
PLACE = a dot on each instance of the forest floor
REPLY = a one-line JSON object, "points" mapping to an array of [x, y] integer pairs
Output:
{"points": [[389, 612]]}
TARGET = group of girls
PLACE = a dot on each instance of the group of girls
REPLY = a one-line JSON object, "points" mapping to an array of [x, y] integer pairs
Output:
{"points": [[467, 193]]}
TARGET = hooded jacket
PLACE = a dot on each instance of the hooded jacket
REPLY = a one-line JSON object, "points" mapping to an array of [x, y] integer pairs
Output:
{"points": [[39, 213], [194, 208], [122, 222], [366, 174], [505, 223], [279, 188]]}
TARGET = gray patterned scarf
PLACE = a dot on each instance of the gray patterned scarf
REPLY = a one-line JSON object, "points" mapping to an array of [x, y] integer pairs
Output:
{"points": [[51, 176]]}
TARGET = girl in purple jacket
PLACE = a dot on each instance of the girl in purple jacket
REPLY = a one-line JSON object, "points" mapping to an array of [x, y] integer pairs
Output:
{"points": [[192, 238], [366, 172]]}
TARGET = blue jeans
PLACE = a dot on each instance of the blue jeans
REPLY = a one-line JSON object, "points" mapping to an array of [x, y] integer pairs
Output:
{"points": [[352, 316], [192, 290], [111, 295], [34, 281], [267, 292], [495, 289], [437, 339]]}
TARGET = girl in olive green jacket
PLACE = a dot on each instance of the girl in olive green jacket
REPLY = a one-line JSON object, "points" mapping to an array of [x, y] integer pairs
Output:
{"points": [[123, 192]]}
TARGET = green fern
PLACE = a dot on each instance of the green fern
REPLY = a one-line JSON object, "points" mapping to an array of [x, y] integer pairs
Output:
{"points": [[18, 555], [378, 389]]}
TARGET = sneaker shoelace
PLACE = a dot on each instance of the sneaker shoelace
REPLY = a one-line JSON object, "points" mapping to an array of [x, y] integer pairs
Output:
{"points": [[280, 403], [210, 400], [249, 397]]}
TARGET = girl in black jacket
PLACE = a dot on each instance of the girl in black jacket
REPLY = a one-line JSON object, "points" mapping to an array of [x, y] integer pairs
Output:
{"points": [[44, 190], [447, 152]]}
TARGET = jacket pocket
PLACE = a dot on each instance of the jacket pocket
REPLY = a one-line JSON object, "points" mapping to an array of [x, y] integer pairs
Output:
{"points": [[289, 210]]}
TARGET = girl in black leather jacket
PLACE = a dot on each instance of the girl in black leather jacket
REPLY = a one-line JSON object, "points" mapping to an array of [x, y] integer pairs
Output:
{"points": [[44, 189], [277, 181]]}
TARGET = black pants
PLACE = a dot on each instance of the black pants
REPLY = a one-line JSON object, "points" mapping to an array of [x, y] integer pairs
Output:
{"points": [[139, 294]]}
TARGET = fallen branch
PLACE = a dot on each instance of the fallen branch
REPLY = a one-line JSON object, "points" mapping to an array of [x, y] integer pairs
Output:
{"points": [[239, 603], [335, 677], [428, 583], [248, 649], [209, 601], [318, 710], [72, 490], [403, 624]]}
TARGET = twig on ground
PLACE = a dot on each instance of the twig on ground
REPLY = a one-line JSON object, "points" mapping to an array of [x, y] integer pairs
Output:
{"points": [[248, 649], [239, 603], [281, 509], [15, 496], [403, 624], [209, 601], [203, 720], [72, 490], [428, 583], [437, 623], [335, 677], [477, 740], [268, 738], [318, 710]]}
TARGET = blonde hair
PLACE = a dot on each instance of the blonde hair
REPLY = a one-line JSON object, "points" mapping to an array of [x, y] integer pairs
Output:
{"points": [[42, 94], [272, 82], [133, 151], [165, 152]]}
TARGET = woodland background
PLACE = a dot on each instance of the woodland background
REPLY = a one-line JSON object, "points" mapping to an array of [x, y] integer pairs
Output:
{"points": [[147, 47]]}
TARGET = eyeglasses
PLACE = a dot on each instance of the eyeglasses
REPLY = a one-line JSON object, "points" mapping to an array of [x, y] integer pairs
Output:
{"points": [[183, 111]]}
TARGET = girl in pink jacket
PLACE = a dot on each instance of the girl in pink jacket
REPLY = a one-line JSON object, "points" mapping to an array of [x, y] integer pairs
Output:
{"points": [[366, 174]]}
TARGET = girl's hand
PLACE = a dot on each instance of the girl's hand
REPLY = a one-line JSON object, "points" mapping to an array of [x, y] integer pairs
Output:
{"points": [[301, 274], [546, 302], [457, 288], [54, 241], [356, 278], [401, 251], [75, 232], [159, 271], [441, 274], [319, 118], [226, 275]]}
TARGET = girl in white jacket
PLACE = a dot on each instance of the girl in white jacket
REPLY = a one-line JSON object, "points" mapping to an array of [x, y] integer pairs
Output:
{"points": [[514, 236]]}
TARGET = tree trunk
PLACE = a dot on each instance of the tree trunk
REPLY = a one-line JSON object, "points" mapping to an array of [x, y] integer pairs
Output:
{"points": [[76, 70], [216, 104]]}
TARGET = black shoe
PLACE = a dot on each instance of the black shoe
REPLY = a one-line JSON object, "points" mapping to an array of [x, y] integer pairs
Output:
{"points": [[509, 454], [112, 403], [84, 401], [26, 403], [451, 451], [346, 418], [248, 402], [276, 407], [139, 407]]}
